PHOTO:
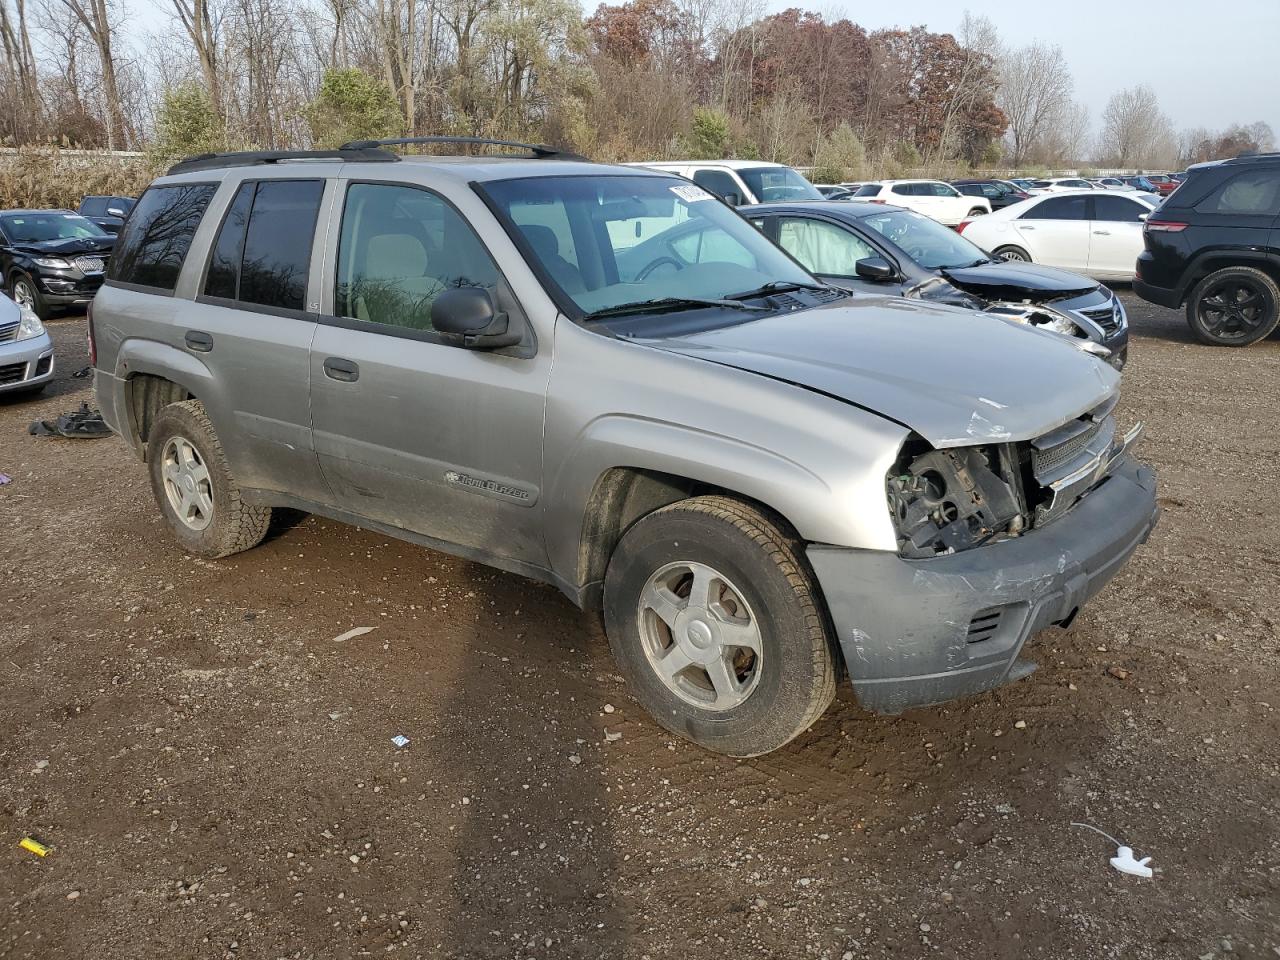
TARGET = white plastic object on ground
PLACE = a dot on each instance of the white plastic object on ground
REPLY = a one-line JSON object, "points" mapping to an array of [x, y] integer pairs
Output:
{"points": [[353, 633], [1124, 860], [400, 740]]}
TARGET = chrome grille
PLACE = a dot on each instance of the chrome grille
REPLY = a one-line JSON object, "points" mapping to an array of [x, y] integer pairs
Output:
{"points": [[90, 264], [1051, 458], [1106, 316], [9, 333]]}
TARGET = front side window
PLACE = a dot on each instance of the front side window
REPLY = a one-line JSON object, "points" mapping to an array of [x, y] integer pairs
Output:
{"points": [[778, 183], [1059, 208], [924, 240], [156, 237], [43, 227], [1246, 193], [942, 190], [904, 189], [719, 183], [823, 248], [1118, 209], [262, 254], [637, 238], [400, 247]]}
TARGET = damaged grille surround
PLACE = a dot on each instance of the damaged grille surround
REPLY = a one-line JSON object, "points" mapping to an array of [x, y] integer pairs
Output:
{"points": [[945, 501]]}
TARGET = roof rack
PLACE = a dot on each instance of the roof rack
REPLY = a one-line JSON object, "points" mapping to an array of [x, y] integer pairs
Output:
{"points": [[365, 153], [540, 151], [1256, 154]]}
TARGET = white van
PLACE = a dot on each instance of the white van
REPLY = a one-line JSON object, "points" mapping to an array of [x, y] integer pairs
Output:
{"points": [[742, 182]]}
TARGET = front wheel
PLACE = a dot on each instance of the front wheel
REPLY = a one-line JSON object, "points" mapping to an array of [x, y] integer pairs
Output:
{"points": [[1013, 254], [1234, 307], [26, 294], [976, 212], [194, 488], [713, 616]]}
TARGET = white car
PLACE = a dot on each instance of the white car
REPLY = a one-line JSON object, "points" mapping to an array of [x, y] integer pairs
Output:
{"points": [[935, 199], [741, 182], [1113, 183], [1097, 232]]}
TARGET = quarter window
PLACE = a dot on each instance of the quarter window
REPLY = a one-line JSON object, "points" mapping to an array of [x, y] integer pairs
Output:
{"points": [[400, 247], [822, 248], [1059, 208], [157, 236], [262, 254], [1246, 193]]}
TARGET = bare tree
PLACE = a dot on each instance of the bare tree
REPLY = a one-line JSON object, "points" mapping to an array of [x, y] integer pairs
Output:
{"points": [[202, 21], [97, 17], [1035, 88], [1135, 132]]}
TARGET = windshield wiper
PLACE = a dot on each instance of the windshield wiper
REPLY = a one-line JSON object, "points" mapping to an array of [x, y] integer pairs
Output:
{"points": [[779, 286], [664, 304], [966, 266]]}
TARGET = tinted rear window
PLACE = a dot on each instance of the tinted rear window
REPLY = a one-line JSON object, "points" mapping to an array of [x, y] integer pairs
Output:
{"points": [[1255, 192], [93, 206], [156, 238]]}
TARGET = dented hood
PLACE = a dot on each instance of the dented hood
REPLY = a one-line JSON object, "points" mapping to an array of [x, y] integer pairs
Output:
{"points": [[1007, 280], [954, 376]]}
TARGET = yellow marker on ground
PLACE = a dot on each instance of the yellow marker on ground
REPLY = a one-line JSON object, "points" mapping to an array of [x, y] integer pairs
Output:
{"points": [[39, 849]]}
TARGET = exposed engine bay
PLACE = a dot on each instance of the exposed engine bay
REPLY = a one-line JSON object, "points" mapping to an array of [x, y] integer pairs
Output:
{"points": [[945, 501]]}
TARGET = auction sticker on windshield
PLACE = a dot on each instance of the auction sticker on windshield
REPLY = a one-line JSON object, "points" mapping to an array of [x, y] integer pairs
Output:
{"points": [[690, 192]]}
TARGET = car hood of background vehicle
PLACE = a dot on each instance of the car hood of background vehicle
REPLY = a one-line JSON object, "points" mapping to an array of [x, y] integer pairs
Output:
{"points": [[956, 377], [68, 248], [1018, 281]]}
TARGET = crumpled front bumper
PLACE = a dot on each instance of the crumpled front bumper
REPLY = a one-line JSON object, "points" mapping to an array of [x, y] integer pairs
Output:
{"points": [[920, 632]]}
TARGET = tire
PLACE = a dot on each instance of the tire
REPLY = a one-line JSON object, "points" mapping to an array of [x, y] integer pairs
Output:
{"points": [[977, 212], [1016, 254], [755, 577], [1234, 307], [215, 521], [24, 289]]}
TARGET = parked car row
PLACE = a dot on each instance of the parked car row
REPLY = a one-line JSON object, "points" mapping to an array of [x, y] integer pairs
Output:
{"points": [[605, 378]]}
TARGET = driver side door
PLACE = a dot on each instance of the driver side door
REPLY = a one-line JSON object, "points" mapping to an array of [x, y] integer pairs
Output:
{"points": [[1056, 231]]}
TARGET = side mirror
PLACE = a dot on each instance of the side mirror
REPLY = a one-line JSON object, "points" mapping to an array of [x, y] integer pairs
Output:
{"points": [[1143, 216], [468, 312], [873, 268], [114, 212], [732, 199]]}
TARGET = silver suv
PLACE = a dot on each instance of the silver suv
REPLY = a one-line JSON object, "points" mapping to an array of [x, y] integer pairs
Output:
{"points": [[604, 378]]}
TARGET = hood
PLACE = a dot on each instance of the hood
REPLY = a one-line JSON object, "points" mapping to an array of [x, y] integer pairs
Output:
{"points": [[67, 248], [954, 376], [1019, 281]]}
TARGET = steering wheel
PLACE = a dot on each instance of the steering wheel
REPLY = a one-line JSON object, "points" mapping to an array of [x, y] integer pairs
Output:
{"points": [[648, 268]]}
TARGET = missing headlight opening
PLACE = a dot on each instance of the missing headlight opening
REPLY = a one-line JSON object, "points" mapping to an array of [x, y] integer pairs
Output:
{"points": [[944, 501]]}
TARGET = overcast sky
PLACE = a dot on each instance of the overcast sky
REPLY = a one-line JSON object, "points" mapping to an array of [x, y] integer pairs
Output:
{"points": [[1210, 64]]}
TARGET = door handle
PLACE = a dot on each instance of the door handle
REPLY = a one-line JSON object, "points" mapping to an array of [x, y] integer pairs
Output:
{"points": [[336, 368], [1102, 233], [199, 341], [1026, 228]]}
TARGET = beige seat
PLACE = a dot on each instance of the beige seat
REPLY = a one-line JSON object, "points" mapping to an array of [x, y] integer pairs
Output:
{"points": [[395, 287]]}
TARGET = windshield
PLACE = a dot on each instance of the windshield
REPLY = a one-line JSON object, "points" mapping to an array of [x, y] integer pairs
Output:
{"points": [[778, 183], [606, 241], [926, 241], [39, 227]]}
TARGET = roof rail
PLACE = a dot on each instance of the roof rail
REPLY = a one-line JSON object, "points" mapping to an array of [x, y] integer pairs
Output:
{"points": [[1257, 154], [248, 158], [539, 151]]}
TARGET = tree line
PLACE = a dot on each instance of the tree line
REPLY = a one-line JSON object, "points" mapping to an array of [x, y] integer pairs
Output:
{"points": [[635, 80]]}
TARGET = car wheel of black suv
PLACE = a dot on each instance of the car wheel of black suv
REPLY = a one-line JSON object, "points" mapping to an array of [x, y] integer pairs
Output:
{"points": [[27, 294], [714, 618], [194, 488], [1234, 307]]}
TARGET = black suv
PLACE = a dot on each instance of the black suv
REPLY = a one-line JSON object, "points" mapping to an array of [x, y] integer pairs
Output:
{"points": [[1000, 194], [1214, 245], [107, 212], [51, 259]]}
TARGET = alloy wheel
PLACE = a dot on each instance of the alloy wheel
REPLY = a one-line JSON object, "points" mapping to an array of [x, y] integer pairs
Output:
{"points": [[1233, 309], [23, 295], [187, 483], [700, 636]]}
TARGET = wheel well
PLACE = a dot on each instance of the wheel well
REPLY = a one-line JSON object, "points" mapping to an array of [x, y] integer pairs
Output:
{"points": [[1202, 268], [623, 495], [147, 396]]}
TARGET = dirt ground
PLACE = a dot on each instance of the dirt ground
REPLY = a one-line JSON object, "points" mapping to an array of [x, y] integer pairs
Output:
{"points": [[216, 776]]}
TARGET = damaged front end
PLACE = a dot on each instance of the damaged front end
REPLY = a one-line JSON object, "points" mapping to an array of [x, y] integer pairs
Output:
{"points": [[947, 501]]}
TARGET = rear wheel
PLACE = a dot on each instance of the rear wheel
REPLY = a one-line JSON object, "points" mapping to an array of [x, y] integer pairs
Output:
{"points": [[713, 616], [194, 488], [1014, 254], [1234, 307]]}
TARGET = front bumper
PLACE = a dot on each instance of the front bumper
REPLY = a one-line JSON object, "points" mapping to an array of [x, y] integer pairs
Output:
{"points": [[920, 632], [68, 288], [26, 364]]}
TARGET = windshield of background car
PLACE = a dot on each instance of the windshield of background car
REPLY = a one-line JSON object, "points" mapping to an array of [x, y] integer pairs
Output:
{"points": [[778, 183], [39, 227], [608, 241], [926, 241]]}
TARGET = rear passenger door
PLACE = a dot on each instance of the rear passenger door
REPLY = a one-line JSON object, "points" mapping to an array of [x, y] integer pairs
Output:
{"points": [[412, 430], [252, 324], [1056, 231], [1115, 234]]}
